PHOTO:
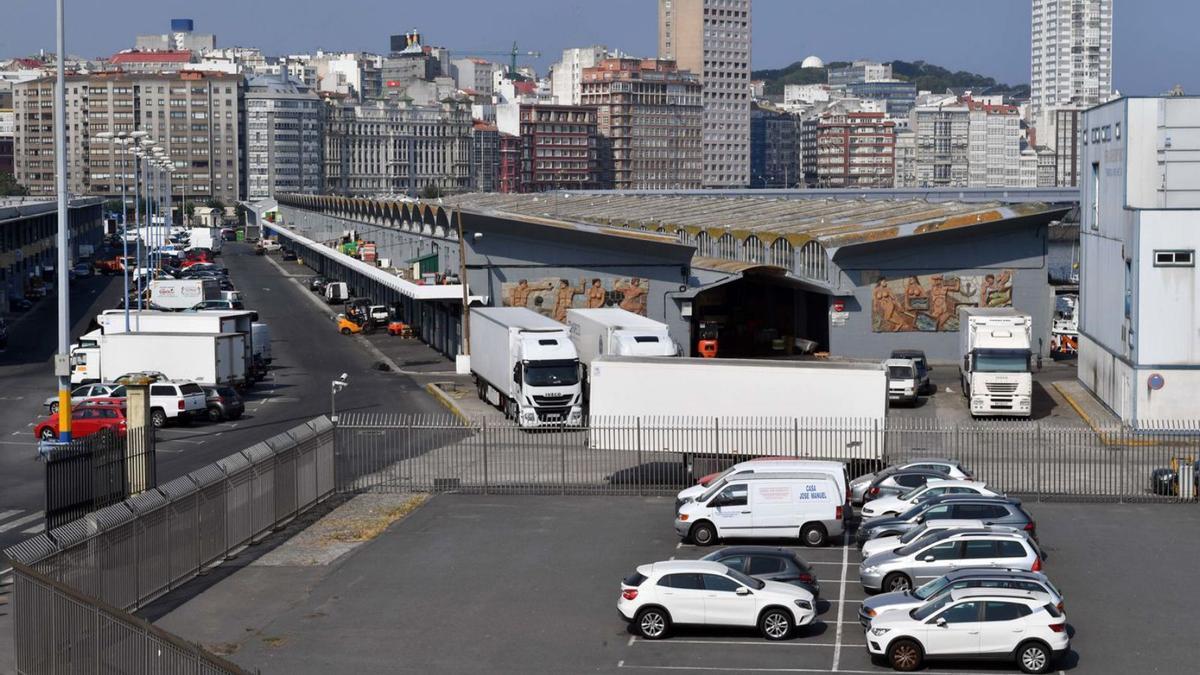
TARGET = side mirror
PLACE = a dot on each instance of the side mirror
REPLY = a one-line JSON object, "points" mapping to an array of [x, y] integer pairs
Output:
{"points": [[966, 363], [920, 519], [742, 590], [941, 622], [929, 558]]}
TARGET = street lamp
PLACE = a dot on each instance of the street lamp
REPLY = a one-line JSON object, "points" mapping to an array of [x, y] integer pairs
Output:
{"points": [[120, 140], [334, 388]]}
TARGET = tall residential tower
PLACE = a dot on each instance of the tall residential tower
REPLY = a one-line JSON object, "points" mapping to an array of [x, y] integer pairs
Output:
{"points": [[1071, 54], [711, 38]]}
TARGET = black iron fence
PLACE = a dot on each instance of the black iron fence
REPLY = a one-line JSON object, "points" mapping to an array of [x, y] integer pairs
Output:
{"points": [[96, 471], [660, 455]]}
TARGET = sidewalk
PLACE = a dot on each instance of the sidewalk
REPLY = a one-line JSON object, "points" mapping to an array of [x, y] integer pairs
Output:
{"points": [[1089, 408]]}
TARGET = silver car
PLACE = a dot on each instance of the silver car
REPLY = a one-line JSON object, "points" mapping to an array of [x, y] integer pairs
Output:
{"points": [[921, 532], [951, 467], [971, 577], [82, 393], [924, 561]]}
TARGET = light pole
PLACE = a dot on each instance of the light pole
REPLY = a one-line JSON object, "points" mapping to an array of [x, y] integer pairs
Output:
{"points": [[120, 141], [62, 365]]}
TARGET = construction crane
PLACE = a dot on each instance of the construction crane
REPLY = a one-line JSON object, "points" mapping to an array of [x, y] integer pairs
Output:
{"points": [[512, 54]]}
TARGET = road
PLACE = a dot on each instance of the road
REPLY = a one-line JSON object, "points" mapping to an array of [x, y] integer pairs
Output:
{"points": [[308, 355]]}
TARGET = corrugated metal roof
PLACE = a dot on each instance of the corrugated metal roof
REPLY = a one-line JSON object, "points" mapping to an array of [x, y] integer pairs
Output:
{"points": [[832, 222]]}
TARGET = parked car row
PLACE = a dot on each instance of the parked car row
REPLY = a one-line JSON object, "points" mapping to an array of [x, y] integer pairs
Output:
{"points": [[955, 569]]}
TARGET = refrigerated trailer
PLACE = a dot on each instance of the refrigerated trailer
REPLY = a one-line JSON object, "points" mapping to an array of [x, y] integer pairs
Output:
{"points": [[611, 331], [206, 358], [716, 409]]}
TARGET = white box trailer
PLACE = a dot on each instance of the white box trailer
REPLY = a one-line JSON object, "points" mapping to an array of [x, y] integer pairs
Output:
{"points": [[216, 359], [261, 334], [526, 364], [183, 293], [209, 321], [611, 331], [740, 408], [205, 237], [995, 349]]}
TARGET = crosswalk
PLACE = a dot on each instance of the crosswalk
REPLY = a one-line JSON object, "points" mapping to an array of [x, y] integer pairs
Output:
{"points": [[22, 520]]}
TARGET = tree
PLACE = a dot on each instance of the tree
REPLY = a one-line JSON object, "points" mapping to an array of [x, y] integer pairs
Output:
{"points": [[431, 191], [9, 187], [214, 203]]}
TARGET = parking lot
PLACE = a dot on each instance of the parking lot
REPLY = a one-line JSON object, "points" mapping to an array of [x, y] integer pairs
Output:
{"points": [[529, 584]]}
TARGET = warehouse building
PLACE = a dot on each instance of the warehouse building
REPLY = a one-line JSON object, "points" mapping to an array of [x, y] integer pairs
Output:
{"points": [[766, 276], [28, 241]]}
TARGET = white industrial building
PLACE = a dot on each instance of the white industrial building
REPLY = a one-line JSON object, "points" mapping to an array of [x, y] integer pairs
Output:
{"points": [[1139, 328]]}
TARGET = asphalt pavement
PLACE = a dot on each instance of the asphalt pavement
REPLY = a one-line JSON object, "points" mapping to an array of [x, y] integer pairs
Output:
{"points": [[308, 355]]}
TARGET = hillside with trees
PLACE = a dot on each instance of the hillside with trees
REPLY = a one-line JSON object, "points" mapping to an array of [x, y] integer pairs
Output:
{"points": [[926, 77]]}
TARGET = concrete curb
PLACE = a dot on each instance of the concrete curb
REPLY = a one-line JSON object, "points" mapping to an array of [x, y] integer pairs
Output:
{"points": [[1087, 419], [449, 402], [1107, 438]]}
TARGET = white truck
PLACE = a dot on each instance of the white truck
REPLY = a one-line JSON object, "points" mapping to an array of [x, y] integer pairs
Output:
{"points": [[261, 334], [210, 322], [207, 358], [715, 410], [180, 294], [995, 346], [525, 364], [205, 237], [611, 331]]}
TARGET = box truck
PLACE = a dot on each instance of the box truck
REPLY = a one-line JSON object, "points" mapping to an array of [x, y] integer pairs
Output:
{"points": [[180, 294], [995, 348], [207, 358], [211, 322], [205, 237], [525, 364], [611, 331], [714, 410]]}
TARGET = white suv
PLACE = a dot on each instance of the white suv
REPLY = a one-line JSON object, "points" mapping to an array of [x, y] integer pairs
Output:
{"points": [[973, 623], [176, 401], [709, 593], [894, 505]]}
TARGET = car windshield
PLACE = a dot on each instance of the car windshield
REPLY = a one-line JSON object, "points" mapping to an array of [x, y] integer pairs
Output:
{"points": [[932, 588], [721, 476], [921, 542], [909, 494], [745, 580], [1002, 361], [914, 533], [713, 488], [552, 374], [930, 608], [900, 373]]}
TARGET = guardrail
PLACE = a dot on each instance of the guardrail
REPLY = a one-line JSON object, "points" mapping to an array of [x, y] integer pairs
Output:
{"points": [[126, 555]]}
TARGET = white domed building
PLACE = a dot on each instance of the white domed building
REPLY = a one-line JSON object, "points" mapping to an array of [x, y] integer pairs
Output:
{"points": [[812, 62]]}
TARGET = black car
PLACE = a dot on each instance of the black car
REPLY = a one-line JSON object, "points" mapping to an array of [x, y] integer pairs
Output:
{"points": [[289, 254], [769, 563], [317, 284], [224, 403], [917, 356]]}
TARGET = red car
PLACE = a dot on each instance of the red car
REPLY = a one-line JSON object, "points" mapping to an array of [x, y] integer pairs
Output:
{"points": [[87, 418]]}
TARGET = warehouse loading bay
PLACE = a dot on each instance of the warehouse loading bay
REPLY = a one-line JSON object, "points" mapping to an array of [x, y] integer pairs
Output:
{"points": [[529, 584]]}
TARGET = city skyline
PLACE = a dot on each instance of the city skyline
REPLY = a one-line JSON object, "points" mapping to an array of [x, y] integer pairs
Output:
{"points": [[783, 32]]}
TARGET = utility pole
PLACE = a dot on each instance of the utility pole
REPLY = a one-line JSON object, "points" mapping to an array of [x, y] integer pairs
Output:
{"points": [[62, 364], [462, 280]]}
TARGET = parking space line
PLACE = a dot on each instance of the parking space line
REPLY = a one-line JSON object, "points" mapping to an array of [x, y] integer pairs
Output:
{"points": [[837, 649], [743, 669], [752, 643]]}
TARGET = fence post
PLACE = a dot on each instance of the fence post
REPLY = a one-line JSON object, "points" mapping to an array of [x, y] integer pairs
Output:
{"points": [[562, 457], [483, 432], [641, 470]]}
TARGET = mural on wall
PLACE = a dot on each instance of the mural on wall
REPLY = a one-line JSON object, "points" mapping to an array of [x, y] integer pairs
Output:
{"points": [[553, 296], [930, 303]]}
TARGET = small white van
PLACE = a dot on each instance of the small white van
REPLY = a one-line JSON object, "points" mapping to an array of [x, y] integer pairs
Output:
{"points": [[802, 504], [836, 470]]}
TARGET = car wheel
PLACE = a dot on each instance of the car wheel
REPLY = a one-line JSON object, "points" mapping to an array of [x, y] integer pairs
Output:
{"points": [[1034, 657], [158, 418], [905, 655], [214, 414], [345, 331], [47, 434], [814, 534], [653, 623], [896, 581], [54, 408], [703, 534], [775, 624]]}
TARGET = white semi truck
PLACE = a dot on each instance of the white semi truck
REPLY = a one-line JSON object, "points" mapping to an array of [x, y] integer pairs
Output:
{"points": [[525, 364], [714, 408], [611, 331], [206, 358], [178, 294], [995, 349]]}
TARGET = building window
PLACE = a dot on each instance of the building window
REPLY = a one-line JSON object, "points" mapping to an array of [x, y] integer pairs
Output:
{"points": [[1174, 258], [1095, 196]]}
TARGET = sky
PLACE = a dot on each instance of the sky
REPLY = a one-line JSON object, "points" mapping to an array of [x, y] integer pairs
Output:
{"points": [[1155, 44]]}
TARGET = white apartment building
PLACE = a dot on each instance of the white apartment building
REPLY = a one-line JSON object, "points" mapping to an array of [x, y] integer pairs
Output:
{"points": [[1139, 319], [566, 76], [1071, 53], [283, 137], [711, 38], [477, 75], [994, 147]]}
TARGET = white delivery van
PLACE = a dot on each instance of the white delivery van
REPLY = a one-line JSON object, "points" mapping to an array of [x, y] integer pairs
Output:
{"points": [[835, 470], [806, 505]]}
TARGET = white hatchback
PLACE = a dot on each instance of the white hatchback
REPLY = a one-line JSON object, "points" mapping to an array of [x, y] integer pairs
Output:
{"points": [[662, 594], [973, 623], [896, 504]]}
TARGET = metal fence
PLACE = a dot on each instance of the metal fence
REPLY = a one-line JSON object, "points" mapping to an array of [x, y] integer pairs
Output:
{"points": [[126, 555], [660, 456], [97, 471]]}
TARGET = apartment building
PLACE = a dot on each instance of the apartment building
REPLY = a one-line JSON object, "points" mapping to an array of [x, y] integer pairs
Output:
{"points": [[856, 150], [391, 148], [476, 75], [196, 117], [485, 157], [775, 148], [284, 137], [559, 145], [712, 38], [566, 76], [1071, 53], [994, 146], [943, 139], [650, 117], [906, 158]]}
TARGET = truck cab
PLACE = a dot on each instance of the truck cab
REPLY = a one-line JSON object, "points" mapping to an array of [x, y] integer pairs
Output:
{"points": [[546, 382], [996, 353]]}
